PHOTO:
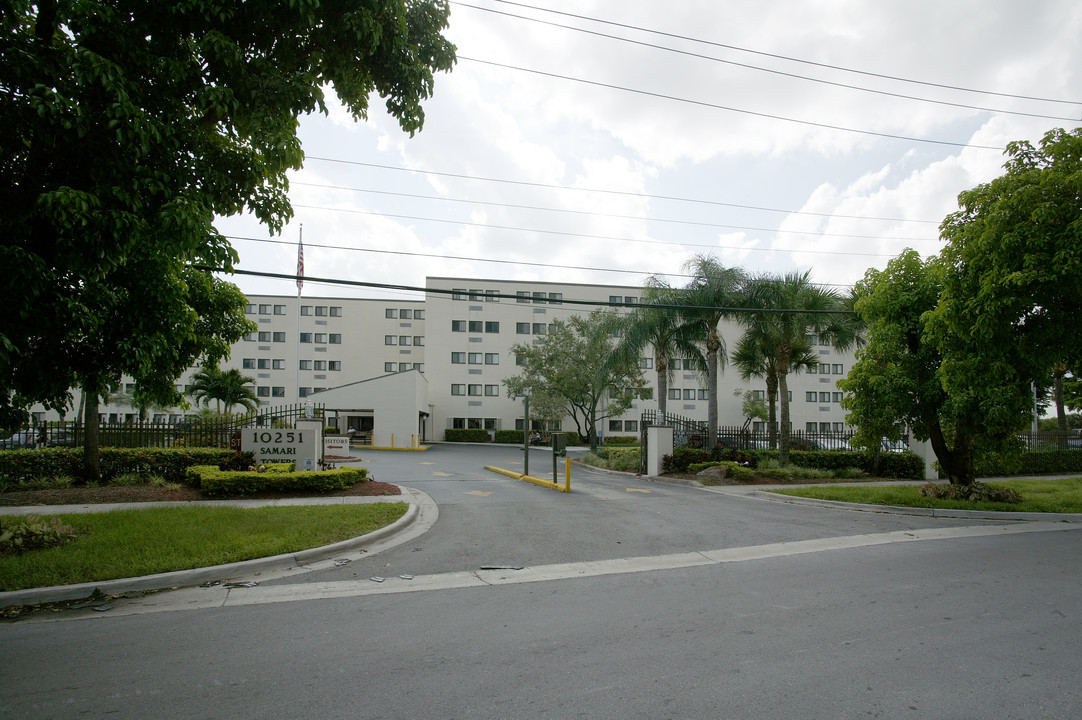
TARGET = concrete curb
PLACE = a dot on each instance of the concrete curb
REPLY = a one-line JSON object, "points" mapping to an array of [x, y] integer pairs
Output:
{"points": [[196, 576]]}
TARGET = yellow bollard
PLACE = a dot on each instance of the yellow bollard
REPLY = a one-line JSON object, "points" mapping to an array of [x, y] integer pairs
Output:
{"points": [[567, 476]]}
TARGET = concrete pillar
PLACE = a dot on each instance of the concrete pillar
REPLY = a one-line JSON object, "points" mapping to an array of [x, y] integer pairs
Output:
{"points": [[659, 443], [925, 451]]}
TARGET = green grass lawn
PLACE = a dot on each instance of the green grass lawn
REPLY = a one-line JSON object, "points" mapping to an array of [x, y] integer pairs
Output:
{"points": [[130, 543], [1060, 496]]}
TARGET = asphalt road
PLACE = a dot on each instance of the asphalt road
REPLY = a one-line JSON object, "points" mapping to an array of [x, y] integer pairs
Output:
{"points": [[733, 608]]}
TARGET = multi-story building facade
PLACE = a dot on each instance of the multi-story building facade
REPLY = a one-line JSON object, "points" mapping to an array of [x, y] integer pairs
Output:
{"points": [[460, 336]]}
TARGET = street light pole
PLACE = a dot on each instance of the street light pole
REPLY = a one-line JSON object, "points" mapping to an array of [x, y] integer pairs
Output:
{"points": [[526, 436]]}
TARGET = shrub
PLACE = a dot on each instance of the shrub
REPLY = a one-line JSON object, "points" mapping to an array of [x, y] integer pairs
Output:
{"points": [[622, 440], [222, 483], [20, 467], [508, 436], [238, 461], [624, 459], [33, 533], [981, 492], [465, 435], [1028, 462]]}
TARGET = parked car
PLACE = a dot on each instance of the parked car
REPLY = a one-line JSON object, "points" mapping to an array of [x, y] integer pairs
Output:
{"points": [[21, 439], [893, 446], [1074, 438]]}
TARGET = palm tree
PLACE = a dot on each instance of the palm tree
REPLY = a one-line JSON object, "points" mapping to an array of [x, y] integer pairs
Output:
{"points": [[790, 308], [228, 387], [713, 289], [658, 324]]}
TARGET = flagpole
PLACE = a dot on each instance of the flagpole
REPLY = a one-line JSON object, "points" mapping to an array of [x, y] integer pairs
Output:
{"points": [[297, 337]]}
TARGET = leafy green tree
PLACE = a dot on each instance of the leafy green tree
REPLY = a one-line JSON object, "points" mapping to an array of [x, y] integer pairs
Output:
{"points": [[789, 308], [225, 387], [713, 290], [1010, 311], [657, 326], [896, 380], [572, 368], [128, 127]]}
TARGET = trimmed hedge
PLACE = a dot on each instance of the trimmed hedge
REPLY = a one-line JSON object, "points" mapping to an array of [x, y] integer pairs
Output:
{"points": [[1028, 462], [213, 482], [18, 467], [622, 440], [905, 466], [511, 437], [465, 435]]}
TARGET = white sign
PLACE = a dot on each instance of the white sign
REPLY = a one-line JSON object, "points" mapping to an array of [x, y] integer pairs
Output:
{"points": [[276, 445], [337, 445]]}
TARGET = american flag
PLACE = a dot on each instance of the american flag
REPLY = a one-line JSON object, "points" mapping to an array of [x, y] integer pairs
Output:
{"points": [[300, 265]]}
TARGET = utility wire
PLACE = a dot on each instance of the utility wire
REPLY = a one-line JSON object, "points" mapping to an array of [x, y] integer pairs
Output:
{"points": [[769, 70], [609, 215], [753, 113], [787, 58], [623, 193], [504, 296], [561, 233]]}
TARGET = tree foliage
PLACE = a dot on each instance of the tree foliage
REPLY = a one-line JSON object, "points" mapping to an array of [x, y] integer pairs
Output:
{"points": [[572, 368], [225, 387]]}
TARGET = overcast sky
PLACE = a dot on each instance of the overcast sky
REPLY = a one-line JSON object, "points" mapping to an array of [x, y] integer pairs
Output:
{"points": [[612, 139]]}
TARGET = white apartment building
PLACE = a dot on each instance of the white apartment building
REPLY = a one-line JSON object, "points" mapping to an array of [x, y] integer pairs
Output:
{"points": [[460, 338]]}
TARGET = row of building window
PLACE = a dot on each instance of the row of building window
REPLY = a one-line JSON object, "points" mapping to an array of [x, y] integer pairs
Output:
{"points": [[623, 300], [417, 340], [475, 390], [403, 314], [623, 425], [826, 369], [522, 296], [280, 337], [823, 397], [306, 391], [402, 367], [319, 310], [532, 328], [475, 326], [475, 358]]}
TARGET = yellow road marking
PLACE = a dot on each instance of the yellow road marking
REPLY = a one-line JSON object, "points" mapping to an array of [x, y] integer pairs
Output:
{"points": [[441, 474], [482, 493], [639, 490]]}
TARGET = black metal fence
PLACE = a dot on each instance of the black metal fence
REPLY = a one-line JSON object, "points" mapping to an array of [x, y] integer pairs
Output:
{"points": [[190, 431], [696, 434]]}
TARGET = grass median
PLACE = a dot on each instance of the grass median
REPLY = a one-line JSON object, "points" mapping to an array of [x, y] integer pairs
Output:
{"points": [[1038, 495], [131, 543]]}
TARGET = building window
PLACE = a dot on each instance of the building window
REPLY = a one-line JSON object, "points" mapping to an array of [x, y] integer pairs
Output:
{"points": [[556, 298], [476, 326], [336, 311], [458, 358], [492, 295], [522, 296], [279, 337], [405, 314], [811, 396], [278, 391], [703, 394], [616, 425], [306, 309], [475, 390], [836, 397], [458, 423], [616, 299], [391, 313], [278, 364], [689, 394], [388, 367], [279, 309], [492, 358], [457, 389], [824, 397], [248, 363], [539, 328], [838, 370], [629, 300], [519, 360], [335, 338], [491, 326], [334, 365], [492, 390], [321, 311], [306, 364], [405, 340], [390, 339], [646, 363], [263, 364], [419, 367], [811, 427], [321, 365], [262, 392], [249, 309], [303, 391], [540, 297], [321, 338], [458, 294], [419, 340], [631, 425], [674, 393], [522, 328], [476, 358], [418, 314], [250, 337], [824, 369], [403, 367], [759, 394], [306, 337], [458, 326], [264, 337], [476, 295], [264, 309]]}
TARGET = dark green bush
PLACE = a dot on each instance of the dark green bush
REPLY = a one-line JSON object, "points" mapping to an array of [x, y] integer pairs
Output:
{"points": [[466, 435], [213, 482], [20, 467], [1028, 462], [904, 466], [622, 440], [974, 491], [509, 436]]}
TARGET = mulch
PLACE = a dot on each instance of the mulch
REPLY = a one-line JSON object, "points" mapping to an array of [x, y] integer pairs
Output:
{"points": [[142, 493]]}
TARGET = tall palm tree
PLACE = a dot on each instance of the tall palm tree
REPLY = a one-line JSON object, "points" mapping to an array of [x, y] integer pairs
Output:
{"points": [[790, 308], [228, 387], [713, 289], [657, 323]]}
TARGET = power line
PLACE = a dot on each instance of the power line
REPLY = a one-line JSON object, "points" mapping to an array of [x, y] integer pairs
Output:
{"points": [[753, 113], [790, 59], [609, 215], [624, 193], [504, 296], [561, 233], [768, 70]]}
